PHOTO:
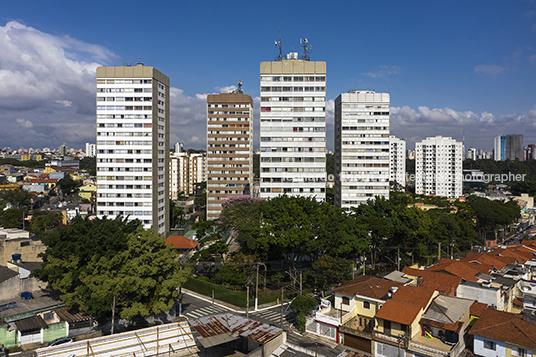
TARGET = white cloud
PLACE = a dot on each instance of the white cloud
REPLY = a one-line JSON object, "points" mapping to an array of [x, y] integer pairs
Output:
{"points": [[27, 124], [227, 89], [384, 71], [490, 69], [65, 103]]}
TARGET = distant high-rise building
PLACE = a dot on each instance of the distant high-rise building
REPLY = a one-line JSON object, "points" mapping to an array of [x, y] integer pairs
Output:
{"points": [[499, 148], [514, 147], [438, 167], [472, 154], [530, 152], [133, 145], [91, 150], [179, 147], [229, 148], [62, 150], [185, 170], [397, 160], [361, 147], [293, 128]]}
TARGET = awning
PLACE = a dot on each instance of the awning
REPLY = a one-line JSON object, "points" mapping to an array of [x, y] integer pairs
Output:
{"points": [[31, 323]]}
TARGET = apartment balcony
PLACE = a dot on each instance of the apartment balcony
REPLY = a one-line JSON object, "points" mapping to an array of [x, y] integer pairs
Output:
{"points": [[353, 327], [435, 347], [328, 316]]}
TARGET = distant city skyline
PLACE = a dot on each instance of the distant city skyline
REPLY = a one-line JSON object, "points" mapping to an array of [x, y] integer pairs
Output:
{"points": [[448, 67]]}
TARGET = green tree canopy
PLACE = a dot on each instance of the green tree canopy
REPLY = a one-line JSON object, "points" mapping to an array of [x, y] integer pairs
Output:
{"points": [[17, 198], [90, 262], [12, 218], [68, 186], [43, 221]]}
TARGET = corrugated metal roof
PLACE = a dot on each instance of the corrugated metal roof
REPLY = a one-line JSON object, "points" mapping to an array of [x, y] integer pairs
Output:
{"points": [[30, 323], [72, 315], [221, 328]]}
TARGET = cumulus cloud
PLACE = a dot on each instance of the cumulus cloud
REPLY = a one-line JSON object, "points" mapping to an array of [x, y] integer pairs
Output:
{"points": [[384, 71], [65, 103], [417, 124], [489, 69], [226, 89], [27, 124]]}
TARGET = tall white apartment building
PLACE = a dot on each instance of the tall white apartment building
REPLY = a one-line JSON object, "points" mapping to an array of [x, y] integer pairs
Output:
{"points": [[133, 145], [361, 147], [438, 167], [91, 150], [397, 160], [185, 170], [293, 128]]}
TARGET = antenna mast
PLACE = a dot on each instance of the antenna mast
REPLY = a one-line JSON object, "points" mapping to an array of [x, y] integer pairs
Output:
{"points": [[307, 49], [239, 90], [278, 45]]}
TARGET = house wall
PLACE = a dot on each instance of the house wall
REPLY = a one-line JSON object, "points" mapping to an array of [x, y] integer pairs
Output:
{"points": [[478, 347], [27, 247], [490, 296], [513, 351], [8, 338], [11, 288]]}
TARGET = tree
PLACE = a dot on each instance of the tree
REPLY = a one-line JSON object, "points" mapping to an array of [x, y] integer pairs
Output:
{"points": [[90, 262], [302, 304], [12, 218], [42, 221], [68, 186], [17, 198], [328, 271]]}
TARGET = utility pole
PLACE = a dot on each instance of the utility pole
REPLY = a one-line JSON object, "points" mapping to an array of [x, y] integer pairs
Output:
{"points": [[113, 315], [212, 301], [257, 289], [439, 252], [247, 302], [398, 260], [281, 307], [301, 283]]}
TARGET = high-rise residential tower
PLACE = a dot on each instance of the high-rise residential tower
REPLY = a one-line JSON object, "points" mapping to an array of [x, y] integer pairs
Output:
{"points": [[397, 160], [438, 167], [361, 147], [133, 145], [185, 170], [293, 128], [514, 147], [499, 143], [229, 148]]}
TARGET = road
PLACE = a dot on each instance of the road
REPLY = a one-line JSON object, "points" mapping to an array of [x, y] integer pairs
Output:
{"points": [[194, 307]]}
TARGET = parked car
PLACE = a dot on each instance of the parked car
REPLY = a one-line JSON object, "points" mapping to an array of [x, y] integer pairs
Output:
{"points": [[60, 341]]}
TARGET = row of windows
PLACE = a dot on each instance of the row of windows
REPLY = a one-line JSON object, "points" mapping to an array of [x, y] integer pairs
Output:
{"points": [[125, 161], [365, 158], [125, 204], [293, 159], [366, 143], [228, 105], [364, 150], [292, 109], [241, 159], [124, 99], [228, 125], [365, 165], [277, 139], [227, 192], [227, 119], [293, 89], [224, 112], [124, 116], [123, 151], [123, 107], [119, 133], [293, 169], [124, 90], [123, 81], [292, 190], [226, 185], [228, 145], [123, 142], [296, 129], [287, 149], [364, 113], [126, 125], [125, 195], [293, 179], [295, 120], [125, 178], [293, 78], [228, 132], [228, 139], [293, 99], [124, 169], [123, 187]]}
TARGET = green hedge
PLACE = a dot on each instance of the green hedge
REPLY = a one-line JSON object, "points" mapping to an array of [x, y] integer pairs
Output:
{"points": [[237, 298]]}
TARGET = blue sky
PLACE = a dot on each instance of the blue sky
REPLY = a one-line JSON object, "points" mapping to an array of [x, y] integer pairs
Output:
{"points": [[449, 66]]}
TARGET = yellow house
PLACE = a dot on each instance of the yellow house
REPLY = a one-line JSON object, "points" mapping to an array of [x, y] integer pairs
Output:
{"points": [[88, 191], [48, 170], [25, 157]]}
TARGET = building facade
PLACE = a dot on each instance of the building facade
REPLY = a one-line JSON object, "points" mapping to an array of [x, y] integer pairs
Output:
{"points": [[397, 160], [438, 167], [133, 145], [229, 148], [361, 147], [186, 170], [513, 147], [499, 145], [91, 150], [293, 128]]}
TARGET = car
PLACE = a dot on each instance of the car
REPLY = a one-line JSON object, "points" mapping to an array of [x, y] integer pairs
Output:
{"points": [[60, 341]]}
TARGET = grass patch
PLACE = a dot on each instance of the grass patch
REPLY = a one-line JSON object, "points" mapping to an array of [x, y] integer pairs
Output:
{"points": [[237, 298]]}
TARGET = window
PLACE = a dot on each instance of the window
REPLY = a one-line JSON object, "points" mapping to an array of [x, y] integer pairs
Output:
{"points": [[490, 345], [345, 300], [366, 305]]}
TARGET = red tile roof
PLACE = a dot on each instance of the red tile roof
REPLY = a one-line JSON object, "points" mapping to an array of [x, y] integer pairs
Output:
{"points": [[505, 326], [398, 311], [181, 242], [477, 309], [456, 326], [416, 295], [442, 281], [369, 286]]}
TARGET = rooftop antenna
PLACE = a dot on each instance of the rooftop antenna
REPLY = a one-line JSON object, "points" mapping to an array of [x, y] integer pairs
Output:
{"points": [[239, 90], [139, 56], [278, 45], [307, 49]]}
